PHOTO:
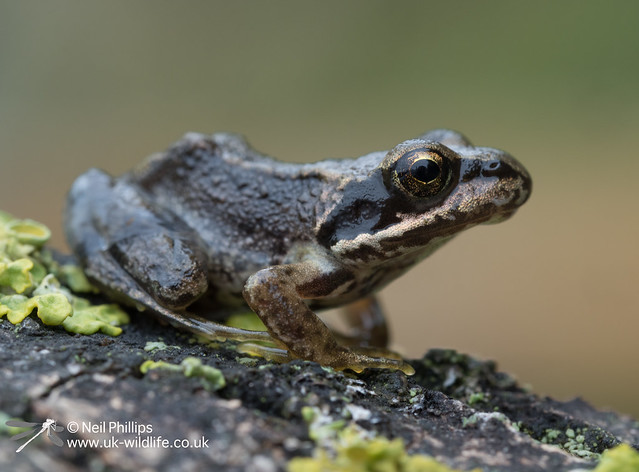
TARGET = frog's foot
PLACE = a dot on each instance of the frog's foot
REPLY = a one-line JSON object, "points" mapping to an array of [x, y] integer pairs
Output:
{"points": [[376, 352], [356, 360], [395, 359], [270, 353]]}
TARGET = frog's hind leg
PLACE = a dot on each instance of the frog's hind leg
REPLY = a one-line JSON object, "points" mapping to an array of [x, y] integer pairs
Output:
{"points": [[111, 219], [367, 323], [132, 254]]}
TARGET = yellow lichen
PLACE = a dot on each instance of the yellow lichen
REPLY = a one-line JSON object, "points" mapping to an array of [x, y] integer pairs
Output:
{"points": [[351, 450], [17, 274], [28, 232], [29, 283], [623, 458], [212, 378], [52, 308], [89, 319]]}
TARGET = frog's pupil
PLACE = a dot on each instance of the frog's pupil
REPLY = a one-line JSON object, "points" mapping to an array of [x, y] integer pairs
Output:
{"points": [[425, 170]]}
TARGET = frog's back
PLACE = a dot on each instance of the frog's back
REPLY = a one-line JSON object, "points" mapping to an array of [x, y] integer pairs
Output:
{"points": [[247, 208]]}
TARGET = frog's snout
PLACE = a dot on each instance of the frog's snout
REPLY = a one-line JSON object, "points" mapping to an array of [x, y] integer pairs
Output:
{"points": [[513, 177]]}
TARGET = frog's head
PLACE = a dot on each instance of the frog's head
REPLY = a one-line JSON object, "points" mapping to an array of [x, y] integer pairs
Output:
{"points": [[424, 192]]}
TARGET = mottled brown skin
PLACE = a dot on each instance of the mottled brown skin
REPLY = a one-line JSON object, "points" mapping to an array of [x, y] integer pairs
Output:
{"points": [[213, 223]]}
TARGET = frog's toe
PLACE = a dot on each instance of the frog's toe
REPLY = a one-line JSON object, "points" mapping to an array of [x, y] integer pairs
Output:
{"points": [[359, 359], [272, 354], [354, 360], [371, 351], [360, 362]]}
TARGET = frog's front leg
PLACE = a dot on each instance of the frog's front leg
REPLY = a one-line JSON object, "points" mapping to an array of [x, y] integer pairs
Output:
{"points": [[277, 295]]}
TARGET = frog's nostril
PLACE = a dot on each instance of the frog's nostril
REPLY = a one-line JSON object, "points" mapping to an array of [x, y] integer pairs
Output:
{"points": [[495, 167]]}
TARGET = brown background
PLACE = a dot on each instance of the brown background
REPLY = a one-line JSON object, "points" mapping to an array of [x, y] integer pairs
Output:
{"points": [[550, 294]]}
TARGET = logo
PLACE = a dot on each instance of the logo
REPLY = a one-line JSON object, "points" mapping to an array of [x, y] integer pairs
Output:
{"points": [[49, 426]]}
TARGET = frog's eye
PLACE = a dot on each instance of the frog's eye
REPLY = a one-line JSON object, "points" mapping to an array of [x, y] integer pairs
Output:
{"points": [[421, 172]]}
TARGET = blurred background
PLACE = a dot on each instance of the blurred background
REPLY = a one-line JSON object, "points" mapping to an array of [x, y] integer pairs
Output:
{"points": [[551, 294]]}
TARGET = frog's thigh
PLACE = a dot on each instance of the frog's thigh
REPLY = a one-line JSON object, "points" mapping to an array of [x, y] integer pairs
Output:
{"points": [[277, 295], [111, 224], [366, 319]]}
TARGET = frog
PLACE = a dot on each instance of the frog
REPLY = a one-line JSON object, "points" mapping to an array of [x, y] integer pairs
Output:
{"points": [[211, 226]]}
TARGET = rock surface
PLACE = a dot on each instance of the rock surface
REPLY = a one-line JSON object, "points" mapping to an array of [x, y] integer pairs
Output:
{"points": [[457, 409]]}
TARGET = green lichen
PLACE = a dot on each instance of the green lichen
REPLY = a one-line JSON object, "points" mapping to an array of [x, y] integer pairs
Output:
{"points": [[477, 397], [89, 319], [151, 346], [247, 361], [550, 435], [148, 365], [30, 283], [212, 378], [52, 308], [462, 377], [321, 427], [572, 441], [416, 395], [17, 274], [470, 421], [69, 275], [622, 458], [26, 231], [342, 448], [353, 451]]}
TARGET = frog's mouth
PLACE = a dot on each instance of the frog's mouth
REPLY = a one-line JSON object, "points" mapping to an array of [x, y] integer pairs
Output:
{"points": [[498, 218], [486, 200]]}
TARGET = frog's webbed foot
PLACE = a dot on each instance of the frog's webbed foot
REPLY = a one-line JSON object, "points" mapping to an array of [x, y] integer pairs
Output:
{"points": [[362, 359], [104, 270], [277, 295], [355, 358]]}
